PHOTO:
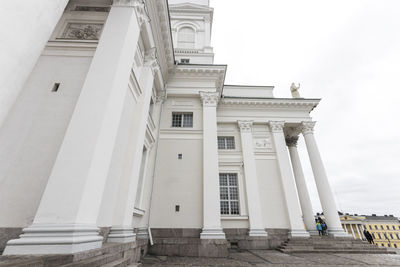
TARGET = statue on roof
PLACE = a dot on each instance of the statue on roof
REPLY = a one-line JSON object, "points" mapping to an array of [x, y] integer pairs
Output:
{"points": [[295, 90]]}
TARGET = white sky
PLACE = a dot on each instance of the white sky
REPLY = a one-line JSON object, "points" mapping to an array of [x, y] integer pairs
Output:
{"points": [[348, 54]]}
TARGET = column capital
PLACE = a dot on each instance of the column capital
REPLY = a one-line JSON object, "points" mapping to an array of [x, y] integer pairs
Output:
{"points": [[150, 60], [291, 141], [245, 126], [210, 99], [161, 96], [139, 7], [276, 126], [307, 127]]}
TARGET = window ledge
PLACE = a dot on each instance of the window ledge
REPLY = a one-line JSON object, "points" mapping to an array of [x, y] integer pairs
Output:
{"points": [[138, 212], [234, 218]]}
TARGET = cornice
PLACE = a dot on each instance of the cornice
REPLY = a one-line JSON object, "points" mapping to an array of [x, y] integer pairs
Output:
{"points": [[272, 103], [206, 71], [160, 22]]}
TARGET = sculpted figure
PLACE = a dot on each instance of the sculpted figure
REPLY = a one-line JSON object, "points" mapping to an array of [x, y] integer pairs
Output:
{"points": [[295, 90]]}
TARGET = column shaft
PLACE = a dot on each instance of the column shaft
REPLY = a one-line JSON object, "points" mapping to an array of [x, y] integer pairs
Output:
{"points": [[250, 173], [304, 196], [66, 219], [358, 232], [352, 231], [324, 190], [211, 195], [122, 229], [32, 24], [289, 188]]}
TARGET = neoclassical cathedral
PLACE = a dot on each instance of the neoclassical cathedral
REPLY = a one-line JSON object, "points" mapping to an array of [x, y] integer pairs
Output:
{"points": [[125, 132]]}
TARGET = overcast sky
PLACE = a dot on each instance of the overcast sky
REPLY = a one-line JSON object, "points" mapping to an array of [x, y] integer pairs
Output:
{"points": [[348, 54]]}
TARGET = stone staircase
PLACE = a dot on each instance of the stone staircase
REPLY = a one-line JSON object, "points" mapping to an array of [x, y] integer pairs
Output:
{"points": [[109, 255], [325, 244]]}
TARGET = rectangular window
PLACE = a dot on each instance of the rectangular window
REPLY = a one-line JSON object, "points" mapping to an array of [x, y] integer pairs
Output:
{"points": [[229, 193], [398, 237], [226, 142], [373, 235], [379, 236], [182, 120], [370, 227]]}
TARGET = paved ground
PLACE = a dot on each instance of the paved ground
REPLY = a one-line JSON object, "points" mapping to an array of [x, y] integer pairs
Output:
{"points": [[273, 258]]}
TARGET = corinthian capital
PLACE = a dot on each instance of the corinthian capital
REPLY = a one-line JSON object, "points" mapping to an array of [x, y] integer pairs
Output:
{"points": [[139, 7], [210, 99], [291, 141], [245, 126], [307, 127], [276, 126]]}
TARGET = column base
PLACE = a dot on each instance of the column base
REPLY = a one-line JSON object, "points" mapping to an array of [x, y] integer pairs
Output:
{"points": [[55, 239], [212, 234], [258, 232], [121, 234], [299, 233], [340, 233], [142, 233]]}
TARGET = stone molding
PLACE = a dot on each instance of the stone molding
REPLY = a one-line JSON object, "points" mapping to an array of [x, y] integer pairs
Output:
{"points": [[291, 141], [307, 127], [273, 103], [245, 126], [139, 7], [210, 99], [276, 126]]}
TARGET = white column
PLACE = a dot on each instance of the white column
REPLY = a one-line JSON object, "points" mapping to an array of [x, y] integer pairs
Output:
{"points": [[27, 26], [289, 188], [211, 201], [122, 229], [324, 190], [250, 173], [66, 219], [352, 231], [358, 232], [345, 228], [304, 196]]}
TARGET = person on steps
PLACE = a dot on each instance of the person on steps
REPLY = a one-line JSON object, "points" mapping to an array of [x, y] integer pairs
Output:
{"points": [[319, 228]]}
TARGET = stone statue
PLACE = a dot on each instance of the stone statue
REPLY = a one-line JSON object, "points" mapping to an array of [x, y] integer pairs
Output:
{"points": [[295, 90]]}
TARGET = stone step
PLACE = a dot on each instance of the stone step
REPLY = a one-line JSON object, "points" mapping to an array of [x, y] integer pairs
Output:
{"points": [[118, 263], [96, 261], [337, 251]]}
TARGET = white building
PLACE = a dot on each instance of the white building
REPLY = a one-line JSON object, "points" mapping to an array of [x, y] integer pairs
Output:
{"points": [[125, 125]]}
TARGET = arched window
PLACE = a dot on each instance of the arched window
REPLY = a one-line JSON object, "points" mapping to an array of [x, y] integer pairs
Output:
{"points": [[186, 38]]}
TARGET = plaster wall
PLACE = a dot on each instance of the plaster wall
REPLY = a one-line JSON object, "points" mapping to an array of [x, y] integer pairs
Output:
{"points": [[274, 211], [33, 132], [179, 181]]}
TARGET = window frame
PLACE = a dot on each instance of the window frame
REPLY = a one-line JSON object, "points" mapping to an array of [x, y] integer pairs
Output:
{"points": [[226, 144], [182, 119], [229, 187]]}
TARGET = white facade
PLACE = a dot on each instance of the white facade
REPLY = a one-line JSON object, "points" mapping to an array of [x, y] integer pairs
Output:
{"points": [[125, 123]]}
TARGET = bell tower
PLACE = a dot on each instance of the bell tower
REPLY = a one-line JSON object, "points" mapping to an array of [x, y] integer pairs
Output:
{"points": [[191, 24]]}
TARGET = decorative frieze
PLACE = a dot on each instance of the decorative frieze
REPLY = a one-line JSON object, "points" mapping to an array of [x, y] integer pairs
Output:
{"points": [[83, 31], [307, 127], [276, 126], [245, 126], [210, 99], [275, 104], [262, 144]]}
